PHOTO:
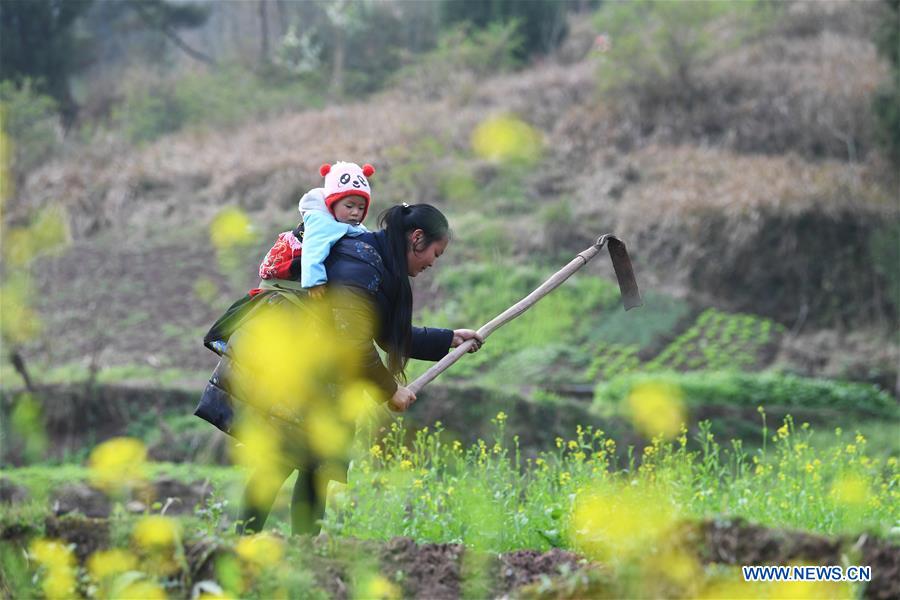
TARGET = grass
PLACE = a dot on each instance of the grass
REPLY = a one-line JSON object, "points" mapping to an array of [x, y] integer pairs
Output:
{"points": [[41, 480], [752, 390], [584, 495], [489, 496], [75, 373]]}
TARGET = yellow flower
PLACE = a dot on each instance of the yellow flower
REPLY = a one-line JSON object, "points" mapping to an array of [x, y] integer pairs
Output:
{"points": [[656, 408], [572, 444], [59, 580], [501, 416], [457, 446], [118, 463], [229, 228], [611, 522], [851, 449], [104, 563], [559, 442], [375, 451], [850, 490], [260, 550], [59, 583], [156, 531], [52, 554], [405, 464], [380, 588], [144, 590], [506, 138], [783, 431]]}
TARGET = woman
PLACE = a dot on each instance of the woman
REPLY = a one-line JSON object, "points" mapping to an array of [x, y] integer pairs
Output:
{"points": [[368, 276]]}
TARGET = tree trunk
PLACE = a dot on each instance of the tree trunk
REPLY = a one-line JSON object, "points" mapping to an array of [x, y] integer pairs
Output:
{"points": [[263, 33], [337, 65]]}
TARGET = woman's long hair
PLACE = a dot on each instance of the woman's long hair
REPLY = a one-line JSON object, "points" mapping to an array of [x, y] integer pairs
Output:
{"points": [[398, 221]]}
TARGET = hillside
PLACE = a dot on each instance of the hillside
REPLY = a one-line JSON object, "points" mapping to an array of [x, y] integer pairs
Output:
{"points": [[749, 202]]}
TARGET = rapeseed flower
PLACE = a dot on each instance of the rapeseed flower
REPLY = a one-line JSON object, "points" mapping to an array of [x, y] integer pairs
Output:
{"points": [[118, 464]]}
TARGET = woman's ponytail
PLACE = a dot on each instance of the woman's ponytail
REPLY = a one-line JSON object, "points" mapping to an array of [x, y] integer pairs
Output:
{"points": [[398, 221]]}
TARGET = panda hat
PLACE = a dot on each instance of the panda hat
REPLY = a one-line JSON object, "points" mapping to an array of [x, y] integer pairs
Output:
{"points": [[347, 179]]}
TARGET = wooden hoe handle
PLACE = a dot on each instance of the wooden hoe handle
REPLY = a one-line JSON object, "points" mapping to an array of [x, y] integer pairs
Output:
{"points": [[627, 286]]}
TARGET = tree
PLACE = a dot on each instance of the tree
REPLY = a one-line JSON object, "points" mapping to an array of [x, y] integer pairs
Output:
{"points": [[886, 103], [542, 23], [38, 42], [40, 39]]}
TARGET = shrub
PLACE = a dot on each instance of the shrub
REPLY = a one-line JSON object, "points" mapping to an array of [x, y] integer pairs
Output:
{"points": [[886, 103], [540, 23], [461, 56], [31, 122], [226, 96], [658, 49], [753, 390]]}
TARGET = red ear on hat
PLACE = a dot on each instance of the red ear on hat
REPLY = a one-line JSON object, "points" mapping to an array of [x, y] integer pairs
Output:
{"points": [[368, 170], [324, 169]]}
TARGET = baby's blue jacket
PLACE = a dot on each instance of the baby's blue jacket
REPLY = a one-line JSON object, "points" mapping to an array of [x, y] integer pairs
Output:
{"points": [[320, 232]]}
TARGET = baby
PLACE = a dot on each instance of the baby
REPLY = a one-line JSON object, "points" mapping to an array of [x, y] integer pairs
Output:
{"points": [[329, 213]]}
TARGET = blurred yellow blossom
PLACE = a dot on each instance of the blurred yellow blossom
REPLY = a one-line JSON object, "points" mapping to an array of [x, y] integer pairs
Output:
{"points": [[145, 590], [156, 531], [57, 559], [656, 408], [615, 521], [378, 587], [105, 563], [260, 550], [51, 554], [231, 227], [507, 139], [118, 463], [850, 489], [328, 437]]}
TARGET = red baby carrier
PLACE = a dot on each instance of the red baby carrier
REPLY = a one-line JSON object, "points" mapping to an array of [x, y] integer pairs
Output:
{"points": [[283, 260]]}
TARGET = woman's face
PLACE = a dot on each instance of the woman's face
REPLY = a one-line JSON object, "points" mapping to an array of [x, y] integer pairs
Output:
{"points": [[419, 256]]}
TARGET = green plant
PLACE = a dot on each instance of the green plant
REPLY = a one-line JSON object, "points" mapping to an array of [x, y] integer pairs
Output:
{"points": [[716, 341], [31, 122], [659, 316], [221, 97], [659, 50], [886, 101], [750, 390], [461, 54]]}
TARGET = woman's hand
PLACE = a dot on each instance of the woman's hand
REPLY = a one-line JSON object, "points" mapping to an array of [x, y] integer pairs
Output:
{"points": [[462, 335], [318, 291], [401, 400]]}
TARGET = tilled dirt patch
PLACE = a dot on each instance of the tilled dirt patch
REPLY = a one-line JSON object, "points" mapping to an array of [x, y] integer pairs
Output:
{"points": [[339, 565]]}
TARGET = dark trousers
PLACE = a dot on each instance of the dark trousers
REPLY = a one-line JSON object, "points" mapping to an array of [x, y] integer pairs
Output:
{"points": [[307, 504]]}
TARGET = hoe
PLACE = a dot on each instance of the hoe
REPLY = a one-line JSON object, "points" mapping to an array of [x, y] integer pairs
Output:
{"points": [[631, 297]]}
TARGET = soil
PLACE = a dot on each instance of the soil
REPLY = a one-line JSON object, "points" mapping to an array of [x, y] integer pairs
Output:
{"points": [[450, 570], [85, 534]]}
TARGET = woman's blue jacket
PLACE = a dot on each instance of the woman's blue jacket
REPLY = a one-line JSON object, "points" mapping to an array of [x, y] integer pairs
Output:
{"points": [[356, 265]]}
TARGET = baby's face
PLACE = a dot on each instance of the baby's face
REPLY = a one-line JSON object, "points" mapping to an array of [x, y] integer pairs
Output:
{"points": [[349, 209]]}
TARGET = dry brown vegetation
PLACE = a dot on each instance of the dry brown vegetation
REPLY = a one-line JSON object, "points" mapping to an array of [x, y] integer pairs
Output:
{"points": [[757, 197]]}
